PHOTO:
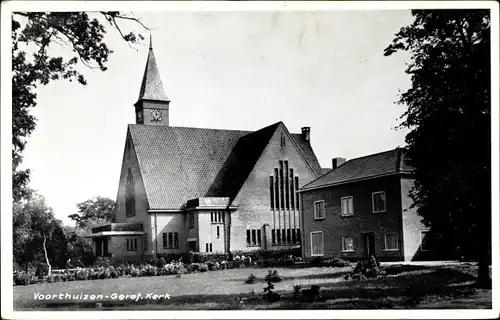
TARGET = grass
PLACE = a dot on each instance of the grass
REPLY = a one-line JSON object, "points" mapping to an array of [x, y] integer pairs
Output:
{"points": [[405, 286]]}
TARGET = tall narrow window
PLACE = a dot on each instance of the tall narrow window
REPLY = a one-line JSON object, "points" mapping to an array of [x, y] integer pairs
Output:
{"points": [[210, 246], [176, 240], [297, 206], [130, 195], [283, 236], [288, 236], [319, 209], [287, 199], [346, 206], [273, 236], [277, 188], [218, 232], [254, 237], [249, 242], [278, 236], [271, 191], [259, 237], [298, 235], [282, 193], [145, 242], [223, 216], [165, 243], [292, 190], [170, 239], [191, 220], [206, 247], [211, 217], [294, 238]]}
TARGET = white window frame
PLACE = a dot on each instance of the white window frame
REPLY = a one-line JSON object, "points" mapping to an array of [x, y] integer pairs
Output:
{"points": [[342, 244], [322, 244], [341, 206], [422, 238], [315, 213], [373, 202], [385, 242]]}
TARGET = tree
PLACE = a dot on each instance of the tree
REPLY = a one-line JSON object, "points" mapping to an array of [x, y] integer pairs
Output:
{"points": [[36, 32], [37, 236], [448, 114], [94, 212]]}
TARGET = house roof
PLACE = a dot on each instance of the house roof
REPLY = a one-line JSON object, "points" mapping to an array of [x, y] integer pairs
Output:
{"points": [[180, 163], [370, 166], [152, 87]]}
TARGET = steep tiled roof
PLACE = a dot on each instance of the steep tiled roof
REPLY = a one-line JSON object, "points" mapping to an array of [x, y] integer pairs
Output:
{"points": [[151, 87], [308, 153], [373, 165], [178, 163]]}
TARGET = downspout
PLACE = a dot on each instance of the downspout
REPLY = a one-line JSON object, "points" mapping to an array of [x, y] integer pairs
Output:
{"points": [[156, 235]]}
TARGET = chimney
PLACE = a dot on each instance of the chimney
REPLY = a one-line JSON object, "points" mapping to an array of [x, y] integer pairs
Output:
{"points": [[336, 162], [306, 133]]}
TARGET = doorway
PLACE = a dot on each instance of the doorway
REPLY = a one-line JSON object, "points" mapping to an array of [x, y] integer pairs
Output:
{"points": [[369, 244]]}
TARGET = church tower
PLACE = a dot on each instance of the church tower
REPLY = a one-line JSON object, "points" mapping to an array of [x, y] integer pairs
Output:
{"points": [[152, 106]]}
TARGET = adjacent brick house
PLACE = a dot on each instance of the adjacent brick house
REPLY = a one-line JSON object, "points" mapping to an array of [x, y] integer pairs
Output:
{"points": [[208, 190], [362, 207]]}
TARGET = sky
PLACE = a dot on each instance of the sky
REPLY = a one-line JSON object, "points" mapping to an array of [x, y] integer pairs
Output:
{"points": [[227, 70]]}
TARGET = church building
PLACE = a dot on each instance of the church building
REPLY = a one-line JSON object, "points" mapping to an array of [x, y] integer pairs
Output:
{"points": [[187, 189]]}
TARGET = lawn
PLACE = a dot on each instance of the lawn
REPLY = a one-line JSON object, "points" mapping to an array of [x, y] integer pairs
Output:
{"points": [[405, 286]]}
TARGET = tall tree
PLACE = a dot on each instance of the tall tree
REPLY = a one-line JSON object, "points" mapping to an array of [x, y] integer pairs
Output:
{"points": [[448, 114], [37, 236], [36, 32], [94, 212]]}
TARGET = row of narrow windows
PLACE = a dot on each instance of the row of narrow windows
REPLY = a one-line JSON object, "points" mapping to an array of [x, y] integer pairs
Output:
{"points": [[217, 217], [285, 236], [254, 237], [283, 187], [171, 240]]}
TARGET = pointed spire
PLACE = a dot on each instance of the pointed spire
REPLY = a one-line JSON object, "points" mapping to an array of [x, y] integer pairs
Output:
{"points": [[152, 87]]}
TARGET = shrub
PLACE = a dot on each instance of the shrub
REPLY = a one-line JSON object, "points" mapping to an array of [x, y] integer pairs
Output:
{"points": [[82, 274], [296, 291], [316, 262], [41, 270], [22, 278], [251, 279], [162, 262], [336, 262], [273, 277], [203, 267]]}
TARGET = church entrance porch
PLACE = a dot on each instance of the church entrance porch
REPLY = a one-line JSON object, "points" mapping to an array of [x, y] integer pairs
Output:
{"points": [[118, 242]]}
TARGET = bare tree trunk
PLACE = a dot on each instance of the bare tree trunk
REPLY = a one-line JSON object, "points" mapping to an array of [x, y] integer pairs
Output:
{"points": [[46, 256]]}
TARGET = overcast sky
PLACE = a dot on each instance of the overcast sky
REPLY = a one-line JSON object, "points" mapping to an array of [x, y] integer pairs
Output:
{"points": [[228, 70]]}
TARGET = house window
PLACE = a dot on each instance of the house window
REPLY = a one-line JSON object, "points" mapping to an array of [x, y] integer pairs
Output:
{"points": [[254, 237], [191, 220], [391, 241], [132, 244], [378, 201], [171, 240], [319, 209], [317, 243], [347, 244], [425, 241], [346, 206], [218, 232]]}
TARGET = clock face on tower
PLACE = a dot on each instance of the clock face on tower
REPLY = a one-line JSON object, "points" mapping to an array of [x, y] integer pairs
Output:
{"points": [[139, 117], [155, 115]]}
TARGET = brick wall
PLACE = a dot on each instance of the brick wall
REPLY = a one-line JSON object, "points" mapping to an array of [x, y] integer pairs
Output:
{"points": [[334, 226], [253, 200]]}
